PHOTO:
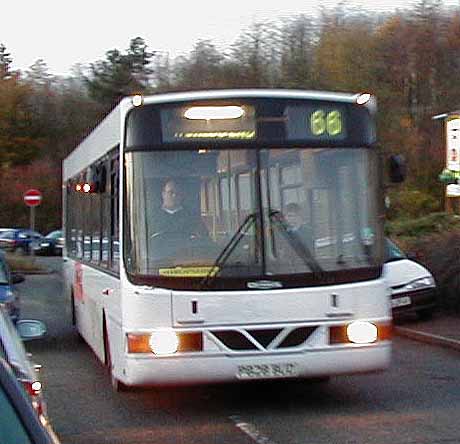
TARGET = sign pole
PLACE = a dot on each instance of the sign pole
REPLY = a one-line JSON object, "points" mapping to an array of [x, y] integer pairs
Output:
{"points": [[32, 218], [32, 227]]}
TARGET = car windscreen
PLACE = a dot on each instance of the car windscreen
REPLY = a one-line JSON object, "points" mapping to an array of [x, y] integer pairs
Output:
{"points": [[7, 235], [393, 252], [54, 235]]}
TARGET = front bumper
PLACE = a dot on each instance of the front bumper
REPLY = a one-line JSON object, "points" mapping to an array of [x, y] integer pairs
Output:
{"points": [[189, 370]]}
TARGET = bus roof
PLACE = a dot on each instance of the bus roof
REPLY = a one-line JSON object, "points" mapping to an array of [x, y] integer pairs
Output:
{"points": [[251, 93], [107, 134]]}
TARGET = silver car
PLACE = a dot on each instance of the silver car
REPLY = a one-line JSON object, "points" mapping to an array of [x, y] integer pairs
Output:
{"points": [[12, 350]]}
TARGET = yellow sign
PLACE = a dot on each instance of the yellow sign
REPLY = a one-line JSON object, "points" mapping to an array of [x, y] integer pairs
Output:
{"points": [[189, 271]]}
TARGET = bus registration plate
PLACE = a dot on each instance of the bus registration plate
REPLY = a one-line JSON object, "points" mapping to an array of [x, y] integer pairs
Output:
{"points": [[261, 371]]}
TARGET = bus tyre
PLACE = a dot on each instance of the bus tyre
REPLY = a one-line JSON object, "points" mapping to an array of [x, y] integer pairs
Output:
{"points": [[72, 304], [117, 385], [74, 319]]}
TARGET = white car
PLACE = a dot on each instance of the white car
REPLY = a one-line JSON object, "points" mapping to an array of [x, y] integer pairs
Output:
{"points": [[413, 286]]}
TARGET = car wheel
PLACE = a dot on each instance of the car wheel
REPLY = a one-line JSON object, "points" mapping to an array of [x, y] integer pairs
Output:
{"points": [[320, 380], [425, 315]]}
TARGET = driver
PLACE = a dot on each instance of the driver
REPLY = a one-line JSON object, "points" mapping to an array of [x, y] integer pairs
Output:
{"points": [[175, 220]]}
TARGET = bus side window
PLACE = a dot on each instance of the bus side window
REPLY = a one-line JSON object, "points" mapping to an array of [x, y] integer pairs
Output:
{"points": [[115, 214]]}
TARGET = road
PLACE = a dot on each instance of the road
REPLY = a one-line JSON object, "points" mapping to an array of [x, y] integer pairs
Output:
{"points": [[416, 401]]}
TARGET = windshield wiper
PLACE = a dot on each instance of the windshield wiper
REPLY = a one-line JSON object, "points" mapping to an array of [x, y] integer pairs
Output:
{"points": [[227, 250], [295, 242]]}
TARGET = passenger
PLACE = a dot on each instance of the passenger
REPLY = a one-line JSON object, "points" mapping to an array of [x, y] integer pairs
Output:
{"points": [[297, 225], [173, 218]]}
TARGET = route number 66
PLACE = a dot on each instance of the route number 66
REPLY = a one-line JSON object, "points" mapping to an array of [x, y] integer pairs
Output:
{"points": [[326, 123]]}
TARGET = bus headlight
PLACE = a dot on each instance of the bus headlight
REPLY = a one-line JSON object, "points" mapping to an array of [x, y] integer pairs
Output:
{"points": [[362, 332], [164, 342]]}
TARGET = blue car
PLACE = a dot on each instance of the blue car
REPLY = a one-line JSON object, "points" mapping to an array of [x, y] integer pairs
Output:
{"points": [[51, 244], [19, 240], [8, 298]]}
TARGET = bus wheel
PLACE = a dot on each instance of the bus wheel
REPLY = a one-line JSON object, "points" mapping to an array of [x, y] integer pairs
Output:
{"points": [[74, 319], [117, 385]]}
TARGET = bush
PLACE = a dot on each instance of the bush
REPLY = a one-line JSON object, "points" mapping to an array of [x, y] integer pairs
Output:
{"points": [[23, 264], [440, 253], [432, 223], [408, 204]]}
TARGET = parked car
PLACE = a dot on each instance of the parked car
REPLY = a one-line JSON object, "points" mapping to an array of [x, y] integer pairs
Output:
{"points": [[8, 296], [18, 421], [12, 350], [51, 244], [19, 240], [412, 285]]}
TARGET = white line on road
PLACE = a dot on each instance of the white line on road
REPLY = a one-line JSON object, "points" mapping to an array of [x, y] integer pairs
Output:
{"points": [[251, 430]]}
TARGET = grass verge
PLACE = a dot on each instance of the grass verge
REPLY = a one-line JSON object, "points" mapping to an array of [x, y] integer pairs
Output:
{"points": [[24, 264]]}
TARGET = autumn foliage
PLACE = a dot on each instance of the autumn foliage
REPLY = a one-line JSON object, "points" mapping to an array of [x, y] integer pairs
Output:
{"points": [[408, 59], [15, 181]]}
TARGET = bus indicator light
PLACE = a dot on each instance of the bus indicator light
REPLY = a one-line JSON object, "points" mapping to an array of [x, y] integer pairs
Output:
{"points": [[213, 112]]}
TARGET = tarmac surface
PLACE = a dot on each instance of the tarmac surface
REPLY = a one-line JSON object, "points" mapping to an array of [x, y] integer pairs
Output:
{"points": [[442, 330]]}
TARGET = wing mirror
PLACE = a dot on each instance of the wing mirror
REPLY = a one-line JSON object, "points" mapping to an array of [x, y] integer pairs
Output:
{"points": [[397, 168], [29, 329]]}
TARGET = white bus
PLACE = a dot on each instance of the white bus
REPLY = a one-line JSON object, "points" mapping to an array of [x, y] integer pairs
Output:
{"points": [[246, 298]]}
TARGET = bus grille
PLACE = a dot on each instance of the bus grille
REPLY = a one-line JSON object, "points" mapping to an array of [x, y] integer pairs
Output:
{"points": [[263, 339]]}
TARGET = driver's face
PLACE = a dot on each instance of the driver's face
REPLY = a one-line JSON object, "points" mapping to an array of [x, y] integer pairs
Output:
{"points": [[171, 196], [293, 219]]}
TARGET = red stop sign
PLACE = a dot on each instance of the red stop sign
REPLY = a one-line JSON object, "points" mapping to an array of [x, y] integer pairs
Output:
{"points": [[32, 198]]}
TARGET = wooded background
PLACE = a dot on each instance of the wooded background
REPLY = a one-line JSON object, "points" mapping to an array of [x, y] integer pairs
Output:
{"points": [[409, 59]]}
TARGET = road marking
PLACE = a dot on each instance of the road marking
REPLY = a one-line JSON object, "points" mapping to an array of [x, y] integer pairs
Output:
{"points": [[251, 430]]}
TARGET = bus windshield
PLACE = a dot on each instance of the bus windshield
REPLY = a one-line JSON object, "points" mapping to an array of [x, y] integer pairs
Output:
{"points": [[252, 213]]}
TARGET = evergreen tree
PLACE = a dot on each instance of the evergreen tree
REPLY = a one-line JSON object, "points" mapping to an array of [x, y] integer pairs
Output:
{"points": [[5, 62], [120, 74]]}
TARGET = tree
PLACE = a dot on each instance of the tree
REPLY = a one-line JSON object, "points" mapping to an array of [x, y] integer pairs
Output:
{"points": [[257, 53], [297, 40], [202, 69], [120, 75], [21, 138], [345, 54], [5, 62], [15, 181], [38, 73]]}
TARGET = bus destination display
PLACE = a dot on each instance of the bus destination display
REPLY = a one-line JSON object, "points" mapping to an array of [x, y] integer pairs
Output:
{"points": [[299, 122], [316, 122], [206, 123]]}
